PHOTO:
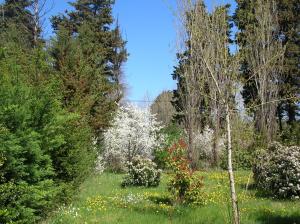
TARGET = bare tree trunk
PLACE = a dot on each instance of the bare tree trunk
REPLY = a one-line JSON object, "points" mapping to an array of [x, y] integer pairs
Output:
{"points": [[36, 21], [234, 201], [190, 147], [216, 128]]}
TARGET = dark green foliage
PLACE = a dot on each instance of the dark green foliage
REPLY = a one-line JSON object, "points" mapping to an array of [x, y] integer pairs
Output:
{"points": [[289, 16], [88, 57], [52, 105], [291, 134], [16, 13], [44, 149], [26, 203]]}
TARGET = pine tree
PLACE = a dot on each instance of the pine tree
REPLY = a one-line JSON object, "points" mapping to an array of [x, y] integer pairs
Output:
{"points": [[17, 13], [89, 55]]}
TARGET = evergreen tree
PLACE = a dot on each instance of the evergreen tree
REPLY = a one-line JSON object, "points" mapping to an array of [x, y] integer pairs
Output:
{"points": [[17, 13], [45, 151], [289, 17], [88, 56]]}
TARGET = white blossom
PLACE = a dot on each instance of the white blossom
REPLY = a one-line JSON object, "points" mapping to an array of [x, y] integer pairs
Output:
{"points": [[134, 131], [204, 142]]}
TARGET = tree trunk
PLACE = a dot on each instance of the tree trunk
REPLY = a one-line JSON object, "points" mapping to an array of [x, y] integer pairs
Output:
{"points": [[291, 112], [36, 21], [191, 147], [235, 210]]}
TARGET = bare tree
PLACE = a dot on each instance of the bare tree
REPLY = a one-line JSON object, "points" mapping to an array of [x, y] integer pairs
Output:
{"points": [[39, 12], [265, 56], [212, 65], [190, 90]]}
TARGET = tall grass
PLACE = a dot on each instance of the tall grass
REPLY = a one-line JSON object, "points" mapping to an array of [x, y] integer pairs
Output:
{"points": [[102, 200]]}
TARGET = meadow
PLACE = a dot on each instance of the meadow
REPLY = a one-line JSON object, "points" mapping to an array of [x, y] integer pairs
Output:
{"points": [[101, 199]]}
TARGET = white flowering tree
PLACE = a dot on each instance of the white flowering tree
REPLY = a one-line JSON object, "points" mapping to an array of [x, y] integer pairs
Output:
{"points": [[134, 132], [205, 143]]}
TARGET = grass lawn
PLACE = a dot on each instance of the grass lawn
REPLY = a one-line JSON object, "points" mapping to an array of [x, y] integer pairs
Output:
{"points": [[102, 200]]}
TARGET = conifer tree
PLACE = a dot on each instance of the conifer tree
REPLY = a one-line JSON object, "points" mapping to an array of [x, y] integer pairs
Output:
{"points": [[89, 56], [17, 13]]}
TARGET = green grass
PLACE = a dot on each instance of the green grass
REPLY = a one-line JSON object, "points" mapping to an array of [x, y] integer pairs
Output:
{"points": [[102, 200]]}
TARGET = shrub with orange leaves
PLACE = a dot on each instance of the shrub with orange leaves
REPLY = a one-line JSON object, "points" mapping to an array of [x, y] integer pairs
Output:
{"points": [[184, 184]]}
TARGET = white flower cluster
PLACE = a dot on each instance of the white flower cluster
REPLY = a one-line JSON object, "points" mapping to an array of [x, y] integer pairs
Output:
{"points": [[134, 131], [277, 170], [204, 143], [142, 172]]}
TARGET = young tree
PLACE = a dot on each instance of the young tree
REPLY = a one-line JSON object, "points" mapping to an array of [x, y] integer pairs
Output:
{"points": [[210, 57], [134, 132]]}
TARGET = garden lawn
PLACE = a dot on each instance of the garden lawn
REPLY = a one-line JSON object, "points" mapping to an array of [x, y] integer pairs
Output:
{"points": [[102, 200]]}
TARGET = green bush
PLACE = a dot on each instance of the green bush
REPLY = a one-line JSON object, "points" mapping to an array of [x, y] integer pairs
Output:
{"points": [[172, 133], [44, 149], [277, 171], [291, 134], [244, 145], [26, 203], [142, 172], [242, 159]]}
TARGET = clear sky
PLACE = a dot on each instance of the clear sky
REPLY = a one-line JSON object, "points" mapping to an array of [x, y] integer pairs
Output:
{"points": [[148, 26]]}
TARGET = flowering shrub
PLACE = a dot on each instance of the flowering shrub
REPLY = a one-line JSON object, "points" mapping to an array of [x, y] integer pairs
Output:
{"points": [[277, 170], [142, 172], [134, 132], [184, 184], [204, 143]]}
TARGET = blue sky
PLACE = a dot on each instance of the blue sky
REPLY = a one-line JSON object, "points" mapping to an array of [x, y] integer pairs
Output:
{"points": [[148, 26]]}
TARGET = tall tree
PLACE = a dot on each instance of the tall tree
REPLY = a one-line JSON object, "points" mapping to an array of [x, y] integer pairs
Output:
{"points": [[163, 108], [210, 59], [44, 149], [88, 56], [262, 54], [17, 13], [196, 105], [288, 19], [287, 32]]}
